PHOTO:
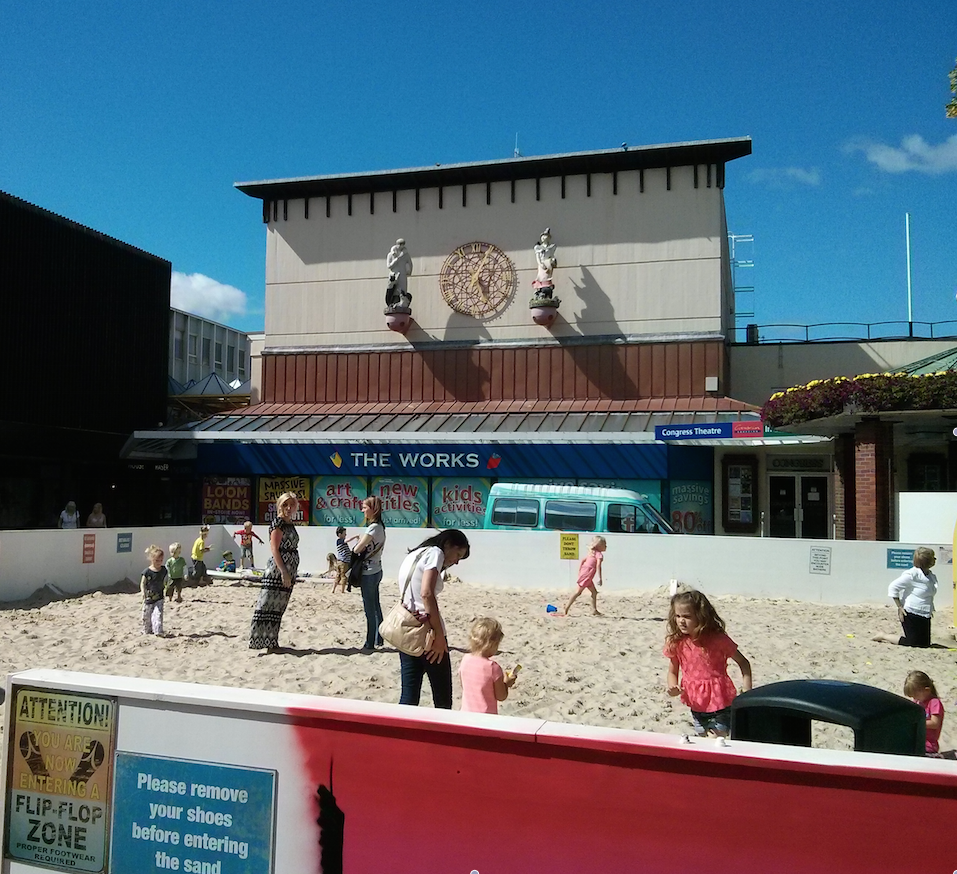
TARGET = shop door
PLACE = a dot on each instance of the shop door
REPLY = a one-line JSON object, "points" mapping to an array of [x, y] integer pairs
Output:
{"points": [[813, 515], [783, 507], [798, 506]]}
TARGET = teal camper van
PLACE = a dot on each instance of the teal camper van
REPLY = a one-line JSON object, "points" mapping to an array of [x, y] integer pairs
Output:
{"points": [[520, 507]]}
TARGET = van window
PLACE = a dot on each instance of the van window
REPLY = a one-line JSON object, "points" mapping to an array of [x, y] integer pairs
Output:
{"points": [[621, 517], [571, 515], [630, 519], [519, 512]]}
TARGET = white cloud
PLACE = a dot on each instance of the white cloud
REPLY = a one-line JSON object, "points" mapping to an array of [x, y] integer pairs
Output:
{"points": [[913, 154], [785, 177], [198, 294]]}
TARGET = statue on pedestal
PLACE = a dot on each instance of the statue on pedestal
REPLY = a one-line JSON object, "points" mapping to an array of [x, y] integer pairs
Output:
{"points": [[543, 283], [399, 264]]}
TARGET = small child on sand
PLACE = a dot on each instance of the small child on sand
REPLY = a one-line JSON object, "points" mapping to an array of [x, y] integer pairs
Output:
{"points": [[198, 555], [484, 683], [151, 588], [246, 535], [588, 570], [176, 568], [343, 558], [699, 648], [228, 563], [921, 690]]}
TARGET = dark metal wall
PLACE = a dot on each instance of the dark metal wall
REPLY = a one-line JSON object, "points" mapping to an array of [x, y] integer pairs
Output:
{"points": [[84, 360], [467, 375]]}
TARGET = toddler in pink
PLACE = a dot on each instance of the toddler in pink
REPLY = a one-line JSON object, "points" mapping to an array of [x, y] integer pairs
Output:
{"points": [[921, 690], [699, 650], [484, 683], [589, 569]]}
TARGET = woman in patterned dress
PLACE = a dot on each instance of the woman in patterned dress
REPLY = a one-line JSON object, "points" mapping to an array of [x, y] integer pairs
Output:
{"points": [[277, 581]]}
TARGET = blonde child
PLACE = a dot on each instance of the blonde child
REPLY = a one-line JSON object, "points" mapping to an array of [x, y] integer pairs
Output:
{"points": [[152, 584], [176, 568], [588, 570], [484, 683], [921, 690], [699, 649], [246, 535], [198, 556]]}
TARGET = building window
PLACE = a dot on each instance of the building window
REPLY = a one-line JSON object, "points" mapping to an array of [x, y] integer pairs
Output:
{"points": [[230, 359], [242, 364], [926, 472], [191, 348], [206, 348], [218, 360], [178, 345]]}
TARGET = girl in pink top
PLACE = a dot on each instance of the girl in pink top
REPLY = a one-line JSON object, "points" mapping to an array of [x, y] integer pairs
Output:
{"points": [[588, 570], [484, 683], [921, 690], [699, 650]]}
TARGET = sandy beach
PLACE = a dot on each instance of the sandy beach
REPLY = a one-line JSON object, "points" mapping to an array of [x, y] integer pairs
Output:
{"points": [[605, 671]]}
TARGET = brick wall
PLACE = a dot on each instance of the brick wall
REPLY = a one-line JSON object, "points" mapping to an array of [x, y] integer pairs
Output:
{"points": [[873, 450]]}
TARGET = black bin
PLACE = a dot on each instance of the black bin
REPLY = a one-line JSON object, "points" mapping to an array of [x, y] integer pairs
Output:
{"points": [[782, 713]]}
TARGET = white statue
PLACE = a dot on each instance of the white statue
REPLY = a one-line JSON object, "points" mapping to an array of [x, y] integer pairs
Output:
{"points": [[399, 264], [547, 262]]}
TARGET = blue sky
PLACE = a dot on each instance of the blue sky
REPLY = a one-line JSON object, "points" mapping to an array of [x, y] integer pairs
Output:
{"points": [[137, 118]]}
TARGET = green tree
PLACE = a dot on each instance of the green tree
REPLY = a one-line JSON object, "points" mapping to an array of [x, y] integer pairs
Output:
{"points": [[952, 106]]}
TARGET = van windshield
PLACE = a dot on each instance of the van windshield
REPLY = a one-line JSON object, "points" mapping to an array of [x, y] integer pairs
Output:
{"points": [[642, 519]]}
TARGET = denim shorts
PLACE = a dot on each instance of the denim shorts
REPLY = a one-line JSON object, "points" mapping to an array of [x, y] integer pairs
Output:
{"points": [[719, 721]]}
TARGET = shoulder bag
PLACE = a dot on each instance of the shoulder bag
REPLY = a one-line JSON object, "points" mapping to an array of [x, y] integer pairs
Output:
{"points": [[401, 627], [359, 560]]}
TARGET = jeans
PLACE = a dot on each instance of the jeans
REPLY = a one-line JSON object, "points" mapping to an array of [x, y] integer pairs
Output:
{"points": [[369, 586], [414, 668]]}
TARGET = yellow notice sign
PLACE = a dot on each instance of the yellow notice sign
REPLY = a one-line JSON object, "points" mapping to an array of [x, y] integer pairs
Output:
{"points": [[569, 546], [58, 778]]}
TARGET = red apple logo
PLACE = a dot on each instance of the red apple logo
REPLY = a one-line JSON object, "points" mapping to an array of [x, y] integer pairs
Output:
{"points": [[493, 461]]}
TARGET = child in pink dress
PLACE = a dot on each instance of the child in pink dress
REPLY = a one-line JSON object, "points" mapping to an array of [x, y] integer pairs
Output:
{"points": [[921, 690], [699, 649], [484, 683], [588, 570]]}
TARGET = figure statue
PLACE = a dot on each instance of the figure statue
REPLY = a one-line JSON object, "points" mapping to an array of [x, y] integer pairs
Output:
{"points": [[399, 264], [543, 283]]}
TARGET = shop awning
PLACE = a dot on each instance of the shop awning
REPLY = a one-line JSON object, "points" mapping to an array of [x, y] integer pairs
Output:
{"points": [[597, 421]]}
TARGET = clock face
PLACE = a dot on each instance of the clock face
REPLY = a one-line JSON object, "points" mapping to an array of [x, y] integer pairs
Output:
{"points": [[477, 279]]}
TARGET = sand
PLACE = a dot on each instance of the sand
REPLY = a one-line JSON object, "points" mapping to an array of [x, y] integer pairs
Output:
{"points": [[605, 671]]}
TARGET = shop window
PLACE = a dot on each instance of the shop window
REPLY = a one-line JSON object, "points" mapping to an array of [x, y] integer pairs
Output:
{"points": [[571, 515], [739, 487], [515, 512], [926, 472]]}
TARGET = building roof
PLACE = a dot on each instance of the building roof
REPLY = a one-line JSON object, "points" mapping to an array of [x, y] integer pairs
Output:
{"points": [[703, 152], [932, 364]]}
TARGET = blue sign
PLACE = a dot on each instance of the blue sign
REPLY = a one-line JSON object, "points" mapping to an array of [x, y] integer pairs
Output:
{"points": [[694, 432], [900, 559], [124, 542], [500, 460], [177, 815]]}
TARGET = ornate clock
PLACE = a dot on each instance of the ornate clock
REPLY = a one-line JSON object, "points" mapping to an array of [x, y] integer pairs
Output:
{"points": [[477, 279]]}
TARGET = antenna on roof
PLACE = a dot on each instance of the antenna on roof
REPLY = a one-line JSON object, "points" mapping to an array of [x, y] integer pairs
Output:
{"points": [[516, 153]]}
